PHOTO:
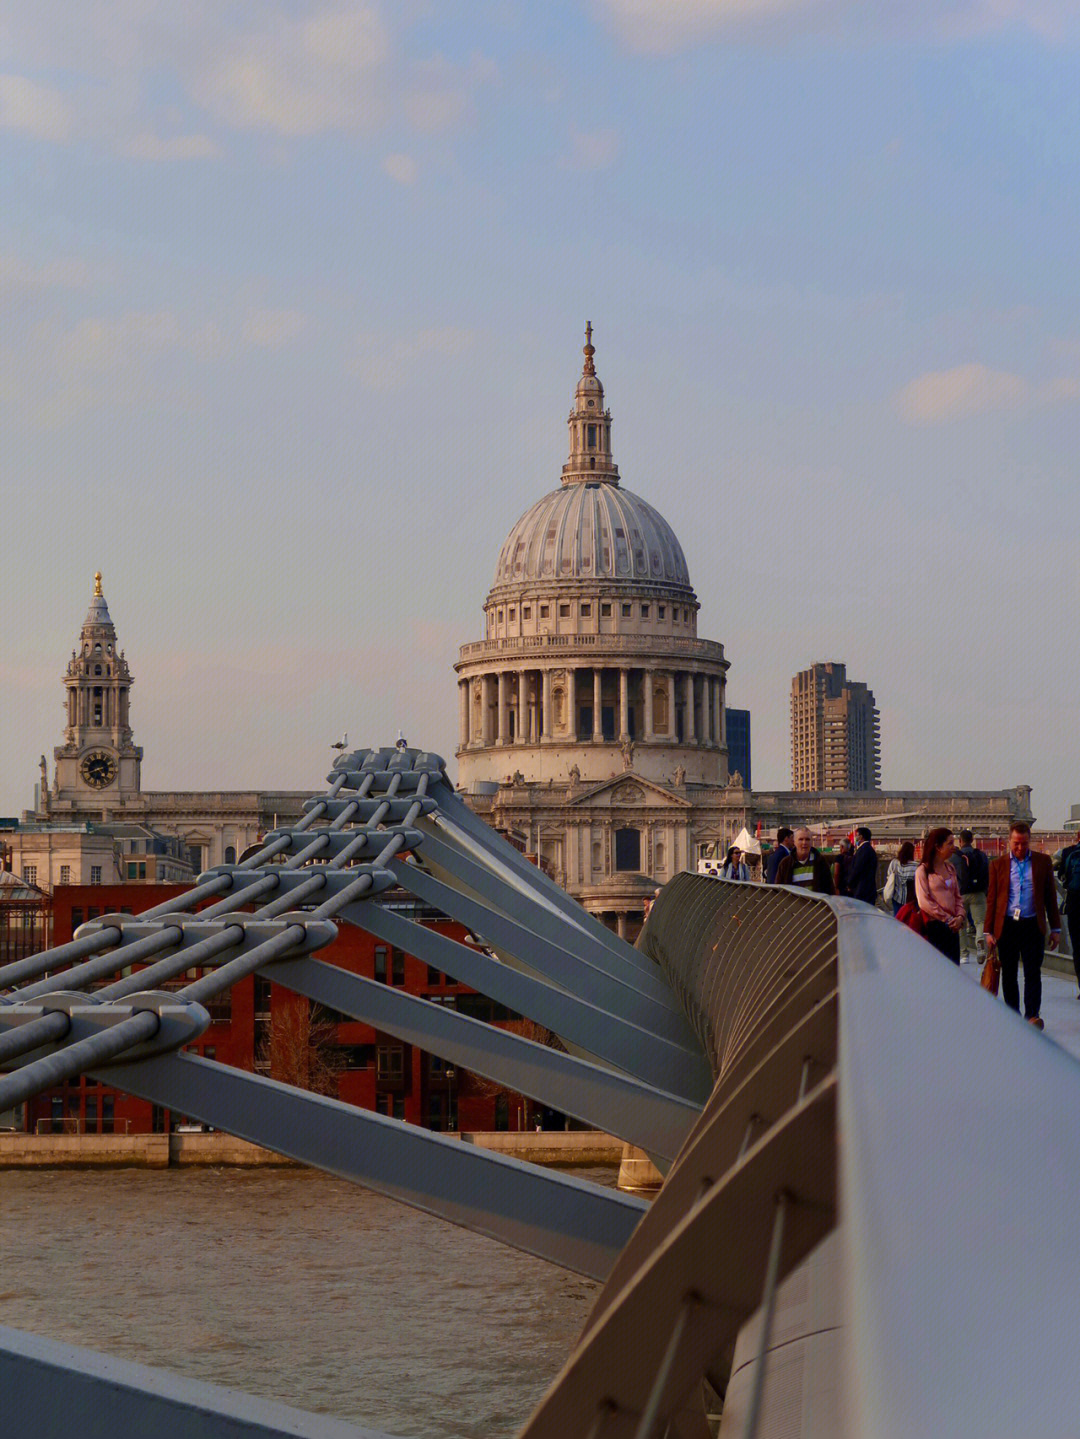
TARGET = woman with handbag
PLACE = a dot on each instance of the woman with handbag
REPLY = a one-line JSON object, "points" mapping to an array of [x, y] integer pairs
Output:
{"points": [[899, 878], [937, 891]]}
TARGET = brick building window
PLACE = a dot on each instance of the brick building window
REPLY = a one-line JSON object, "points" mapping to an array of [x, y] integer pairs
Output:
{"points": [[95, 874], [29, 874]]}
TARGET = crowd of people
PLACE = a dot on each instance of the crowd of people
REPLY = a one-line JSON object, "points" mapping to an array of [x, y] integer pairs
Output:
{"points": [[965, 904]]}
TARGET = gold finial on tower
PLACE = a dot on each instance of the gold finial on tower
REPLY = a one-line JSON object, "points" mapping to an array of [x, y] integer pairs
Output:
{"points": [[97, 585], [590, 368]]}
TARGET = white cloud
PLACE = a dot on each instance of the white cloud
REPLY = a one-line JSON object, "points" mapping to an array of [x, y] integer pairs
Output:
{"points": [[18, 277], [384, 361], [273, 329], [34, 109], [401, 168], [592, 149], [438, 94], [148, 146], [660, 28], [975, 389], [300, 77]]}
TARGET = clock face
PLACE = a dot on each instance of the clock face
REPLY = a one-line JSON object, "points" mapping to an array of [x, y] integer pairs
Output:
{"points": [[98, 769]]}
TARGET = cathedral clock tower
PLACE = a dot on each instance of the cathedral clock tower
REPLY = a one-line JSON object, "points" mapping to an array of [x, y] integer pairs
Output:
{"points": [[97, 766]]}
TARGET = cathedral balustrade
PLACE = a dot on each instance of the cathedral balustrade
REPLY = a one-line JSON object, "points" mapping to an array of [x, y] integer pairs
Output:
{"points": [[633, 644]]}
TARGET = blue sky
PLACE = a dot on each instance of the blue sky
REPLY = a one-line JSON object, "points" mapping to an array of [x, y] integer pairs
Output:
{"points": [[291, 299]]}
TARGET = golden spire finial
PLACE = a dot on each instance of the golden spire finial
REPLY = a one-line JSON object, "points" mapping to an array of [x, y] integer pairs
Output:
{"points": [[97, 585], [590, 368]]}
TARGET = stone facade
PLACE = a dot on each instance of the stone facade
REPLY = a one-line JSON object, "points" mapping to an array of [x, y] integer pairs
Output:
{"points": [[97, 783], [591, 715]]}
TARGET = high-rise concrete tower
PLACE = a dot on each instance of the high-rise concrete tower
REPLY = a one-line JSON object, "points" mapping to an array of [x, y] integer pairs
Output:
{"points": [[835, 734]]}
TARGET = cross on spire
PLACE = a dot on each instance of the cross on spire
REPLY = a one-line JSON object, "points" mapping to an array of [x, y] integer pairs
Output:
{"points": [[590, 368]]}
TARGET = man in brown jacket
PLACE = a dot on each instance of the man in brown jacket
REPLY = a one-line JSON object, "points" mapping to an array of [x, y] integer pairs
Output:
{"points": [[1022, 918]]}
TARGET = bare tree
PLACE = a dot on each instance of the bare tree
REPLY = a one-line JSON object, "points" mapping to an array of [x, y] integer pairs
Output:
{"points": [[299, 1047]]}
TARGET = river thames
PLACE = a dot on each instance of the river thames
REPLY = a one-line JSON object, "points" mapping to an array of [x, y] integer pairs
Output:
{"points": [[292, 1285]]}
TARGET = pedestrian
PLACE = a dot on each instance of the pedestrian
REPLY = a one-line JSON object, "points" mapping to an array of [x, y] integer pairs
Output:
{"points": [[900, 878], [804, 868], [937, 892], [733, 867], [779, 854], [973, 873], [862, 878], [841, 870], [1022, 919], [1069, 869]]}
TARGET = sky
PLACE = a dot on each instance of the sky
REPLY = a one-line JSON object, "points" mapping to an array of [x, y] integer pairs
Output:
{"points": [[291, 302]]}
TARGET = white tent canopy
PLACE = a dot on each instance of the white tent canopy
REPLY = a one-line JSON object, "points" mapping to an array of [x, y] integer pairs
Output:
{"points": [[745, 841]]}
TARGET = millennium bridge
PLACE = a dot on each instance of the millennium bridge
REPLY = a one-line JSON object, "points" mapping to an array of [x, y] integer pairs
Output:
{"points": [[865, 1226]]}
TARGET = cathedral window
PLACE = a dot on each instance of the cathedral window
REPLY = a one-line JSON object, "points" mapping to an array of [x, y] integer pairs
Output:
{"points": [[230, 854], [605, 611], [564, 612], [97, 669], [511, 615], [544, 611], [627, 849], [526, 612], [644, 612], [660, 707], [591, 436], [586, 611], [660, 611], [626, 611]]}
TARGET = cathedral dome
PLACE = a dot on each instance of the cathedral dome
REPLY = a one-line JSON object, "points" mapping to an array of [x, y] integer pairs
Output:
{"points": [[592, 531]]}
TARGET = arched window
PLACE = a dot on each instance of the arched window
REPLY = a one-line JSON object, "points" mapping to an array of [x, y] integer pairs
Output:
{"points": [[230, 854], [628, 849], [658, 855], [97, 669], [558, 701]]}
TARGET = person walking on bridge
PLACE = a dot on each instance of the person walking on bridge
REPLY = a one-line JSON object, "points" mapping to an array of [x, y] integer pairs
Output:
{"points": [[1070, 879], [937, 891], [862, 877], [973, 872], [805, 869], [1022, 919], [779, 854]]}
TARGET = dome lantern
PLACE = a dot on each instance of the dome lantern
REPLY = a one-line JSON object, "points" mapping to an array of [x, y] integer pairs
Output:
{"points": [[590, 459]]}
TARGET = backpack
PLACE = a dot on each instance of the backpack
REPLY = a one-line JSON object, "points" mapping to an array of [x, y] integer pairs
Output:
{"points": [[978, 872], [1072, 871]]}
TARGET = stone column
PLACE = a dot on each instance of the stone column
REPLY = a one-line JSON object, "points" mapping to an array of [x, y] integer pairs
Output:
{"points": [[597, 727], [624, 705], [523, 707], [501, 735], [691, 720], [714, 705], [647, 687], [463, 713], [720, 688], [545, 732], [673, 728], [485, 723], [620, 924]]}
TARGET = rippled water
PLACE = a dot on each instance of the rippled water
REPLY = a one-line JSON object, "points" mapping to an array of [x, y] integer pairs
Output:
{"points": [[292, 1285]]}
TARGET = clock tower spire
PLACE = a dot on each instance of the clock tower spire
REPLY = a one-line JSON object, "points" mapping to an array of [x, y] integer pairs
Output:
{"points": [[98, 764]]}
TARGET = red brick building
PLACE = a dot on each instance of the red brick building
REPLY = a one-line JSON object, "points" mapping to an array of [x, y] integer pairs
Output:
{"points": [[261, 1026]]}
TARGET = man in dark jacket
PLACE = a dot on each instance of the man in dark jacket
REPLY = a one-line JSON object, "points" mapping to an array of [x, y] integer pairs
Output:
{"points": [[805, 869], [1022, 918], [862, 880], [779, 854]]}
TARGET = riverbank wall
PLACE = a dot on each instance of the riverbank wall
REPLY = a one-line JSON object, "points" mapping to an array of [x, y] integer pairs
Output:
{"points": [[165, 1151]]}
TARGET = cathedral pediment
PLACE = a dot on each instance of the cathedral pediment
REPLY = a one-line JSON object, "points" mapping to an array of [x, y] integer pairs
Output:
{"points": [[626, 791]]}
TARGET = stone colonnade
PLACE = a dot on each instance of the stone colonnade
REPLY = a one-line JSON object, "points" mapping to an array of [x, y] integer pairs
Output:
{"points": [[529, 706]]}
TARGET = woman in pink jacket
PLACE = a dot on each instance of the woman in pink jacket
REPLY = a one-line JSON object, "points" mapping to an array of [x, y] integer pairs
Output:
{"points": [[937, 891]]}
